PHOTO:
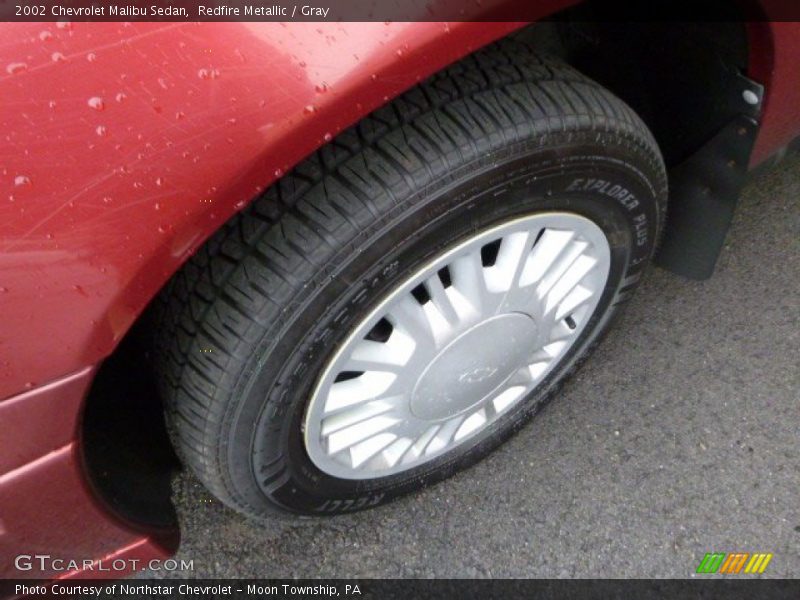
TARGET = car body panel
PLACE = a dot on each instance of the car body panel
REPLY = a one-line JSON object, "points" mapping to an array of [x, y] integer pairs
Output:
{"points": [[774, 52], [30, 416], [144, 138], [126, 145]]}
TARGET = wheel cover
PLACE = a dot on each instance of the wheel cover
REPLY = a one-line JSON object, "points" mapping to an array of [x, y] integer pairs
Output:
{"points": [[456, 345]]}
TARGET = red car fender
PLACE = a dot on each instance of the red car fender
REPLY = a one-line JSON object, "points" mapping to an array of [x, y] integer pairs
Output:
{"points": [[127, 145]]}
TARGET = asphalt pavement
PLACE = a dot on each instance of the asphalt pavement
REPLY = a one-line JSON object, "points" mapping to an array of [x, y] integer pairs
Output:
{"points": [[680, 436]]}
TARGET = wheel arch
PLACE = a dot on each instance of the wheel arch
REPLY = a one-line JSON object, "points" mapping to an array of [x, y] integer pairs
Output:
{"points": [[322, 110]]}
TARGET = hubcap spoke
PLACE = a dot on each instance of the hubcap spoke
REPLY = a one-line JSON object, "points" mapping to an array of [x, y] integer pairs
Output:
{"points": [[456, 345]]}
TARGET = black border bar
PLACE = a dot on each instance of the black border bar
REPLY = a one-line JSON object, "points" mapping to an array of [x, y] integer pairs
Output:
{"points": [[732, 588], [399, 10]]}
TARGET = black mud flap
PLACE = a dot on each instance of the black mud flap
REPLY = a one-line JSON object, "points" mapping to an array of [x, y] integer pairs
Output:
{"points": [[705, 188]]}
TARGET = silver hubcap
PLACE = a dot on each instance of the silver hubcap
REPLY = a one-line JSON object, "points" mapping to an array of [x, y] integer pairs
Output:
{"points": [[456, 345]]}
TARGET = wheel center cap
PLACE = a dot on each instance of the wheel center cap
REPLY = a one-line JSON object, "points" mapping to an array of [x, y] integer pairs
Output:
{"points": [[473, 365]]}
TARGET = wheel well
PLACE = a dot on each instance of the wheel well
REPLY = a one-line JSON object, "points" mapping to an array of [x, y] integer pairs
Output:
{"points": [[688, 82], [675, 75], [126, 452]]}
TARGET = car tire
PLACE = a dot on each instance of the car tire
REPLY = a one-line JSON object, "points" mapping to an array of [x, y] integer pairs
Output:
{"points": [[249, 331]]}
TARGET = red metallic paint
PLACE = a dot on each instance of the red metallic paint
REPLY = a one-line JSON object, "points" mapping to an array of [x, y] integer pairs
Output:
{"points": [[30, 416], [127, 145], [774, 52]]}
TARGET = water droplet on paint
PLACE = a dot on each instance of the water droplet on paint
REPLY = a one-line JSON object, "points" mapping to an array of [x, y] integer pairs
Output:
{"points": [[208, 73], [15, 68]]}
